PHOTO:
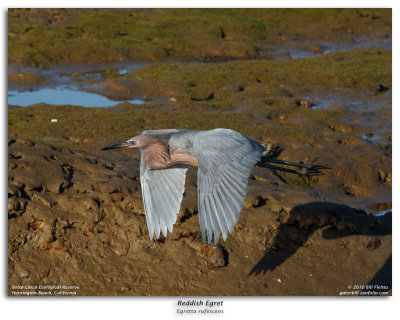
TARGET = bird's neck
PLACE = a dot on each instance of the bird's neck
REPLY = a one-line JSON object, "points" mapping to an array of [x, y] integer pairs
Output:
{"points": [[159, 157]]}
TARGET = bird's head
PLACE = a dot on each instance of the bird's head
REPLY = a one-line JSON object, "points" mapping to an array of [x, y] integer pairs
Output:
{"points": [[138, 142]]}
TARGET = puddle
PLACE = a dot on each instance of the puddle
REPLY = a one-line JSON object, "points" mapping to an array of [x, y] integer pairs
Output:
{"points": [[123, 72], [63, 96], [379, 209], [380, 206], [380, 213], [296, 50], [65, 86], [64, 75], [333, 101], [98, 74], [93, 75], [364, 115], [376, 209]]}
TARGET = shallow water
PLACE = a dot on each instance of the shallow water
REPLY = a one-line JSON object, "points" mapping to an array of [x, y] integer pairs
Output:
{"points": [[354, 102], [63, 96], [381, 213], [303, 51], [66, 86]]}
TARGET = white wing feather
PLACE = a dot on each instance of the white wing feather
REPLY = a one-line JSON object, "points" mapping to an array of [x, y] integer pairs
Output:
{"points": [[226, 159], [162, 190]]}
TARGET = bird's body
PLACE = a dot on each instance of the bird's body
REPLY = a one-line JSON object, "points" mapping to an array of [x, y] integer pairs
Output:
{"points": [[169, 148], [225, 159]]}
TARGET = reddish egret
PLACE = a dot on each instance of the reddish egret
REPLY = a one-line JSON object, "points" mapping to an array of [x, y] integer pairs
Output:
{"points": [[225, 159]]}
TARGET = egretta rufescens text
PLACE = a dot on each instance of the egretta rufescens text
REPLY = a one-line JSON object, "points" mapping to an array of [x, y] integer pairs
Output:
{"points": [[225, 159]]}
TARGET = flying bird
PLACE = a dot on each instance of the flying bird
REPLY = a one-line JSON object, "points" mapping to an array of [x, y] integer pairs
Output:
{"points": [[225, 159]]}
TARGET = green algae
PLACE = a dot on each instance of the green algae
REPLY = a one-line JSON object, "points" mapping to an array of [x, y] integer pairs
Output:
{"points": [[358, 69], [256, 97], [44, 37], [96, 125], [265, 86]]}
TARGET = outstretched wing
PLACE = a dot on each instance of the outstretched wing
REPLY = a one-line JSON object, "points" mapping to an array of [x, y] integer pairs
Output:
{"points": [[226, 159], [162, 190]]}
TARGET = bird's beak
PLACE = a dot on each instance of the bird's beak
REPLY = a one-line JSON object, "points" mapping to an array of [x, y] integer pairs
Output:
{"points": [[126, 144]]}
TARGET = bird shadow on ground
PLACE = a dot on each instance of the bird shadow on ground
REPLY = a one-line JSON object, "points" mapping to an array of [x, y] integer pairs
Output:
{"points": [[336, 221]]}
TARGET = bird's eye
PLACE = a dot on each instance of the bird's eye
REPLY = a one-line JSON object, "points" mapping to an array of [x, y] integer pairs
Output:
{"points": [[136, 142]]}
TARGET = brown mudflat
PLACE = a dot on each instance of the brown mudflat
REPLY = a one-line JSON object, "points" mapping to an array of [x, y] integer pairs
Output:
{"points": [[77, 218]]}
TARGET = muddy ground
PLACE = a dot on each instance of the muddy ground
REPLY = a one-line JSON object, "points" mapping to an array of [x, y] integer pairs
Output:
{"points": [[312, 85]]}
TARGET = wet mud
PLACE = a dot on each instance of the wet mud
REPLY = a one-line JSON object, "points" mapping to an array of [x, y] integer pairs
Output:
{"points": [[320, 92]]}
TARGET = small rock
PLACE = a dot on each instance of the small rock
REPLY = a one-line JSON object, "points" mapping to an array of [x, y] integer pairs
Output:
{"points": [[271, 149], [16, 206], [78, 139], [314, 48], [257, 178], [340, 127], [36, 224], [381, 88], [385, 176], [259, 201], [372, 243], [216, 256], [305, 103], [125, 289], [238, 226]]}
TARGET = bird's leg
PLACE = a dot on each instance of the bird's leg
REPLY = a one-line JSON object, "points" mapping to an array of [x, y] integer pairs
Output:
{"points": [[265, 165], [306, 169]]}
